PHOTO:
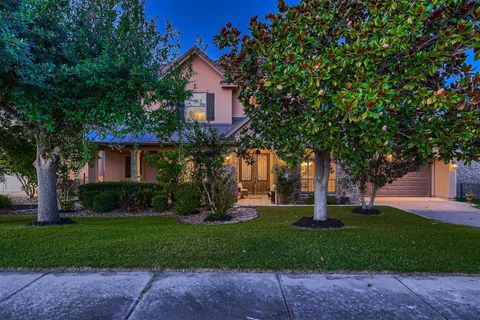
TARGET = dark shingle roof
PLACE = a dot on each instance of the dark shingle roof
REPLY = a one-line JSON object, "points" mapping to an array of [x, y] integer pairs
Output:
{"points": [[151, 138]]}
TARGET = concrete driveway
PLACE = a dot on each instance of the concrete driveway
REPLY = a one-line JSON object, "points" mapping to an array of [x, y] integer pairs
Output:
{"points": [[438, 209], [221, 295]]}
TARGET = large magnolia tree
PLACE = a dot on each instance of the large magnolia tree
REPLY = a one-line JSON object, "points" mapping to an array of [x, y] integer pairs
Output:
{"points": [[70, 66], [316, 74]]}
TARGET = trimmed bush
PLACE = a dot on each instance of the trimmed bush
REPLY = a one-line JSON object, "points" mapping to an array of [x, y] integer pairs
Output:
{"points": [[136, 201], [5, 202], [104, 202], [186, 198], [160, 203], [128, 195], [330, 200]]}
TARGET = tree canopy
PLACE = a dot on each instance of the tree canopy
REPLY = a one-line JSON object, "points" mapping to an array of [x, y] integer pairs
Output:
{"points": [[318, 74], [68, 67]]}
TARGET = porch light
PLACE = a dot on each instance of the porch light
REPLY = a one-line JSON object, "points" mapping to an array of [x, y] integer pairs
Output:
{"points": [[227, 158], [453, 165]]}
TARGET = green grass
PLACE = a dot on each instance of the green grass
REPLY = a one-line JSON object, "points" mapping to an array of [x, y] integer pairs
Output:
{"points": [[396, 241]]}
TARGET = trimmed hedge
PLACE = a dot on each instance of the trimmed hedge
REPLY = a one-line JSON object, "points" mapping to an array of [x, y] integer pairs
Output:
{"points": [[128, 195], [330, 200], [5, 202], [186, 198], [160, 203], [104, 202]]}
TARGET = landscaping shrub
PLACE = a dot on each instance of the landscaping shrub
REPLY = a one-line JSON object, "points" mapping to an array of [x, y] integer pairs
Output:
{"points": [[136, 201], [104, 202], [5, 202], [186, 198], [128, 195], [330, 200], [224, 195], [160, 203], [286, 182]]}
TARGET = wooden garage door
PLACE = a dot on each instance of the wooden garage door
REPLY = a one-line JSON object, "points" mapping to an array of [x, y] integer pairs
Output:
{"points": [[415, 184]]}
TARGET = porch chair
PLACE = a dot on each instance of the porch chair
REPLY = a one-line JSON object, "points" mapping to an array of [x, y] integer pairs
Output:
{"points": [[242, 191]]}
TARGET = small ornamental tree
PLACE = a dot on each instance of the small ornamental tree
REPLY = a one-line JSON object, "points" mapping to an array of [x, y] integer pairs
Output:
{"points": [[207, 149], [68, 67], [316, 74]]}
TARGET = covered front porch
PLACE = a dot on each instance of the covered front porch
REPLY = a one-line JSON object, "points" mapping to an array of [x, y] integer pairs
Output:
{"points": [[122, 164]]}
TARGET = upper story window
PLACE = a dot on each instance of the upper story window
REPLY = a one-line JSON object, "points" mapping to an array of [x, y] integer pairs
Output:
{"points": [[196, 107], [200, 107]]}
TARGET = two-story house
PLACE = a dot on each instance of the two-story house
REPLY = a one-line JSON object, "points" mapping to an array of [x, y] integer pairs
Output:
{"points": [[215, 103]]}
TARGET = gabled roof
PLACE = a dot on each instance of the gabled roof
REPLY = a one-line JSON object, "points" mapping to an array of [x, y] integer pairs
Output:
{"points": [[197, 51]]}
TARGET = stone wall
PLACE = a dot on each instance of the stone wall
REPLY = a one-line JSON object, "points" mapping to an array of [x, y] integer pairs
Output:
{"points": [[468, 179], [345, 186], [468, 173]]}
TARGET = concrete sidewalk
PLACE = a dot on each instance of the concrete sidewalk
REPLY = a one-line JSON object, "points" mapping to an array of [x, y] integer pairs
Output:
{"points": [[221, 295], [438, 209]]}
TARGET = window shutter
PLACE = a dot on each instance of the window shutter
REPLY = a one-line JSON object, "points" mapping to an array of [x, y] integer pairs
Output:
{"points": [[181, 110], [210, 106]]}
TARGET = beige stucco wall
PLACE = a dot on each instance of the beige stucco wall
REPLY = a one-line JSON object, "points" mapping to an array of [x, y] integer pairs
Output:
{"points": [[237, 105], [206, 79], [115, 166], [443, 180]]}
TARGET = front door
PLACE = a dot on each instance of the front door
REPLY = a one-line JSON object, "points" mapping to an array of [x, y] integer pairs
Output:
{"points": [[256, 176]]}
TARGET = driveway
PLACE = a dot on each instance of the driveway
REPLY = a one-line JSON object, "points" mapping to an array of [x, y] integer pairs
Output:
{"points": [[221, 295], [438, 209]]}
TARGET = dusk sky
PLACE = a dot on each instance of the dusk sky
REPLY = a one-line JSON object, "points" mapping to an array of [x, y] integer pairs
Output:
{"points": [[205, 18]]}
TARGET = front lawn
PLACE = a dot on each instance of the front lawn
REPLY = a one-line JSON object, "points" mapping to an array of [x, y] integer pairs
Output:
{"points": [[396, 241]]}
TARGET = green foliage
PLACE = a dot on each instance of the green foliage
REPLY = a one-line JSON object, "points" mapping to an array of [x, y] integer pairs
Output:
{"points": [[68, 67], [351, 76], [287, 182], [103, 202], [171, 168], [330, 200], [131, 196], [136, 201], [160, 203], [17, 154], [186, 198], [5, 202], [207, 150]]}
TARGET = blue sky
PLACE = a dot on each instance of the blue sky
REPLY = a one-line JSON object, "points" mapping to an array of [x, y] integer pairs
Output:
{"points": [[205, 18]]}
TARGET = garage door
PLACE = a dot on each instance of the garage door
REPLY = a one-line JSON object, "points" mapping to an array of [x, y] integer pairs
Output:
{"points": [[415, 184]]}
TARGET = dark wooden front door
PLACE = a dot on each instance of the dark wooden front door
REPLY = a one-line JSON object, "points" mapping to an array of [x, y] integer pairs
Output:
{"points": [[256, 176]]}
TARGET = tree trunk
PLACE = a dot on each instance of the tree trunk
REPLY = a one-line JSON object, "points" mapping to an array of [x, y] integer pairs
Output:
{"points": [[362, 200], [372, 198], [46, 166], [320, 182]]}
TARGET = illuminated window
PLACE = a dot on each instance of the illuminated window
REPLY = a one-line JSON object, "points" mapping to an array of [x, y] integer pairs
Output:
{"points": [[246, 170], [308, 171], [196, 107]]}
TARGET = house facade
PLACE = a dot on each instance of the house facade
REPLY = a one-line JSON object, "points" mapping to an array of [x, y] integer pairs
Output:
{"points": [[215, 103]]}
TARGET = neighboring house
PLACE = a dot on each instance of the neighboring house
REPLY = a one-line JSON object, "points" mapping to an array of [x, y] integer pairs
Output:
{"points": [[215, 103], [468, 179], [11, 185]]}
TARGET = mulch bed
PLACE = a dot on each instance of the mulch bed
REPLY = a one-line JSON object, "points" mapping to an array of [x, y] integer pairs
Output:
{"points": [[367, 212], [238, 215], [308, 222]]}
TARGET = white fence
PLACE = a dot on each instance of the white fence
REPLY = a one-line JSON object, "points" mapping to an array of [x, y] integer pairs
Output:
{"points": [[10, 185]]}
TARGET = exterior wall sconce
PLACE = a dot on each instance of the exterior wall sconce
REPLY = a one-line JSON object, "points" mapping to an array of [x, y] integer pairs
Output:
{"points": [[453, 165]]}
